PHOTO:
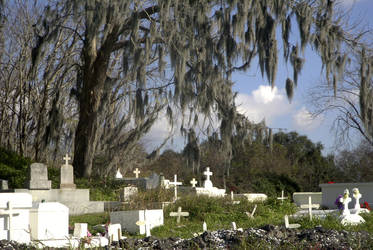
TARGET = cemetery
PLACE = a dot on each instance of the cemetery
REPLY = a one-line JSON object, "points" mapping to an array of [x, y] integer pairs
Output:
{"points": [[241, 124], [40, 216]]}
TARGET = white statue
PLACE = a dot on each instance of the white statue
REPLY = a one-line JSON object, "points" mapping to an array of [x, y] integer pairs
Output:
{"points": [[345, 199], [357, 195], [118, 175]]}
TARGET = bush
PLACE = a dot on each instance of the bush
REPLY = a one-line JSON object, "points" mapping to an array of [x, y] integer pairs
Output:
{"points": [[13, 168]]}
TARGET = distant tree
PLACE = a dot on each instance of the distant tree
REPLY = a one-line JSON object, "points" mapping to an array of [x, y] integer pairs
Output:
{"points": [[127, 44]]}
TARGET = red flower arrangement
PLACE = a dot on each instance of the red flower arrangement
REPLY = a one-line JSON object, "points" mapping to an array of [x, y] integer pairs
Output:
{"points": [[365, 205], [331, 182]]}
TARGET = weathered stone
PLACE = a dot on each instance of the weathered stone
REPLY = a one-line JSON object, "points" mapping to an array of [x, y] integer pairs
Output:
{"points": [[67, 177], [39, 177]]}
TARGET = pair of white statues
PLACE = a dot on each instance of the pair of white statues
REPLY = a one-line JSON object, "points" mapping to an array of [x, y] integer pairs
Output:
{"points": [[347, 217]]}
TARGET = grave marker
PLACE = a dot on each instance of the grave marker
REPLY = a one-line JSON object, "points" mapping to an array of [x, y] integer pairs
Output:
{"points": [[282, 198], [118, 175], [193, 182], [178, 214], [175, 184], [310, 206], [251, 215], [10, 212], [287, 225], [204, 226], [234, 227], [39, 177], [207, 183], [67, 175], [4, 185], [137, 172], [80, 230]]}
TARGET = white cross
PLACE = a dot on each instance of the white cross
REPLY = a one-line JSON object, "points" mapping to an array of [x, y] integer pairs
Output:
{"points": [[179, 214], [310, 206], [67, 159], [251, 215], [175, 183], [207, 173], [136, 172], [282, 198], [193, 182], [10, 212], [287, 225], [146, 224], [204, 226], [234, 227], [232, 197]]}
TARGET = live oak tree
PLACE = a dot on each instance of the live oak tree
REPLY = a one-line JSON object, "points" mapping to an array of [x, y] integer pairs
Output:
{"points": [[181, 53]]}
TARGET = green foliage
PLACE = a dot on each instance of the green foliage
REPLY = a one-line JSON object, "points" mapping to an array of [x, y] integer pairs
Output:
{"points": [[13, 168], [92, 220], [100, 189], [272, 184]]}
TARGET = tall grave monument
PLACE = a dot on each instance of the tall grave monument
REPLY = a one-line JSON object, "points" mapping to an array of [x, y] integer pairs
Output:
{"points": [[67, 175], [39, 177]]}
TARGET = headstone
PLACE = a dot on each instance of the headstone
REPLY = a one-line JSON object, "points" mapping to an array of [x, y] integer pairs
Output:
{"points": [[282, 198], [118, 175], [67, 175], [49, 220], [175, 184], [310, 206], [39, 177], [193, 182], [14, 216], [80, 230], [153, 181], [127, 192], [114, 232], [301, 198], [288, 225], [129, 219], [178, 214], [137, 172], [234, 227], [4, 185], [207, 183]]}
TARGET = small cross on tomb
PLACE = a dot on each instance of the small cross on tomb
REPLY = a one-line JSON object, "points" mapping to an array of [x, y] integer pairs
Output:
{"points": [[207, 173], [175, 184], [146, 224], [136, 172], [282, 198], [66, 159], [178, 214], [10, 212], [310, 206], [287, 225], [193, 182]]}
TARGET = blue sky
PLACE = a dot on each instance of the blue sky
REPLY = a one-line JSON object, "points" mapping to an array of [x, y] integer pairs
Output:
{"points": [[258, 101]]}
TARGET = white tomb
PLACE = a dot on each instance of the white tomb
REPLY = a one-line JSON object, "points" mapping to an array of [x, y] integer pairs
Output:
{"points": [[208, 188], [301, 198], [49, 220], [14, 217], [253, 197], [80, 230], [129, 219]]}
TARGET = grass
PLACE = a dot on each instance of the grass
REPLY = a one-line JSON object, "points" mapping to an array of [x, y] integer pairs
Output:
{"points": [[219, 213]]}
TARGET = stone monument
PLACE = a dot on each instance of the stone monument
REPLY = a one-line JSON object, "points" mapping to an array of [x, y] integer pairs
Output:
{"points": [[67, 175], [39, 177]]}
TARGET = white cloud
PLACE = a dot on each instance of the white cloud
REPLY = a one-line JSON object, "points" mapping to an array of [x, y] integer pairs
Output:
{"points": [[263, 103], [304, 121], [349, 2]]}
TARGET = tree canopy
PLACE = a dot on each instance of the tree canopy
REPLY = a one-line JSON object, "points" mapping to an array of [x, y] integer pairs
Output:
{"points": [[126, 61]]}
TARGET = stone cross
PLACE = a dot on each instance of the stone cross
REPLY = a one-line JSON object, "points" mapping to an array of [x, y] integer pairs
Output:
{"points": [[146, 224], [178, 214], [310, 206], [136, 172], [204, 226], [282, 198], [207, 173], [66, 159], [287, 225], [10, 212], [193, 182], [175, 184], [251, 215]]}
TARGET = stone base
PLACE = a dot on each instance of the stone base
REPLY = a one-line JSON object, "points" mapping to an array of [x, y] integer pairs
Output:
{"points": [[67, 186], [211, 192], [40, 185], [58, 195], [88, 207], [351, 219], [252, 197]]}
